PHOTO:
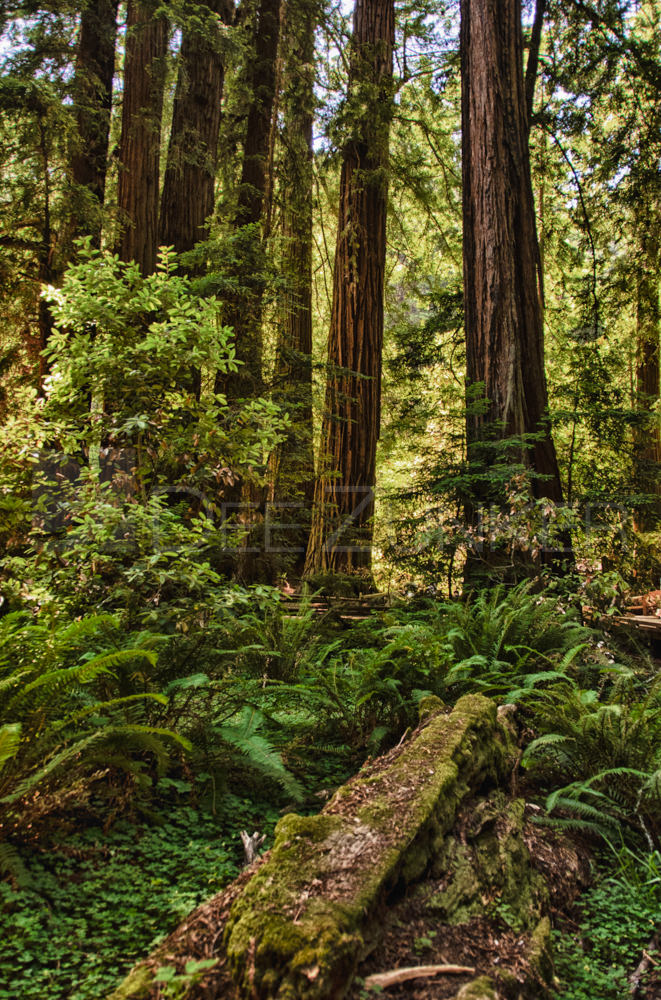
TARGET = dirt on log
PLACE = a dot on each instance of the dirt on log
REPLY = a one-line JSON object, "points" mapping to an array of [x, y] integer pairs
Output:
{"points": [[298, 923]]}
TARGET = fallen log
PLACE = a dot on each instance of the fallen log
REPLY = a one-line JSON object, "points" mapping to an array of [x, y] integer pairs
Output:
{"points": [[296, 929]]}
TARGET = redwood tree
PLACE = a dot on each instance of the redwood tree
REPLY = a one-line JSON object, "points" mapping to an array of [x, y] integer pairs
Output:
{"points": [[341, 535], [188, 189], [140, 142], [95, 69], [503, 311], [293, 462], [647, 439], [243, 310]]}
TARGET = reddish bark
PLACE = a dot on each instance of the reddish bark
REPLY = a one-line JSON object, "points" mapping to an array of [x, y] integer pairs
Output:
{"points": [[342, 528], [188, 189], [140, 143]]}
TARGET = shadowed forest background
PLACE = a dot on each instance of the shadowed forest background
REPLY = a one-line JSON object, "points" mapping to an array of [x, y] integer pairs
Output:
{"points": [[329, 380]]}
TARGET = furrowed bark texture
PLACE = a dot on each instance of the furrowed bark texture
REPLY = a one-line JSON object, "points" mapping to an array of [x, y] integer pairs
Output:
{"points": [[293, 461], [244, 499], [243, 309], [95, 68], [142, 110], [647, 442], [187, 200], [342, 530], [503, 311]]}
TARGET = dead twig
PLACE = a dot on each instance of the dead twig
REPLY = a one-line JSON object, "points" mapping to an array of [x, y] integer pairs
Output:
{"points": [[396, 976]]}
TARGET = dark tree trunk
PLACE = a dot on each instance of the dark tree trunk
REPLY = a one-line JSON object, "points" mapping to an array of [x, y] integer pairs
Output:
{"points": [[92, 100], [243, 307], [503, 311], [293, 461], [342, 528], [142, 109], [243, 310], [533, 56], [647, 441], [188, 189], [95, 68]]}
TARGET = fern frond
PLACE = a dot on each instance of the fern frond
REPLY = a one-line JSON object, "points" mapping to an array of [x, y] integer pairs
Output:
{"points": [[10, 740]]}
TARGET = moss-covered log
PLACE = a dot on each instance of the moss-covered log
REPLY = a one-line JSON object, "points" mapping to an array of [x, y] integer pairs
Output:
{"points": [[299, 926]]}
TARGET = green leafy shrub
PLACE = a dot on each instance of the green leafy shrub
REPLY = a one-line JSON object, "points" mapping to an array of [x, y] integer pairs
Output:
{"points": [[97, 902], [610, 748]]}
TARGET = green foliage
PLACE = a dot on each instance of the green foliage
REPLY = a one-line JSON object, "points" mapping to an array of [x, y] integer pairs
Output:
{"points": [[85, 918], [176, 985], [617, 918], [610, 746], [73, 707], [505, 640]]}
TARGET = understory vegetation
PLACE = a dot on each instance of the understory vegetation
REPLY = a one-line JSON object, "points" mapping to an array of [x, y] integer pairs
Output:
{"points": [[149, 750]]}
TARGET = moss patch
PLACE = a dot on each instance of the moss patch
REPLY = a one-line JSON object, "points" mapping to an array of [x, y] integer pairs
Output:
{"points": [[490, 869], [479, 989]]}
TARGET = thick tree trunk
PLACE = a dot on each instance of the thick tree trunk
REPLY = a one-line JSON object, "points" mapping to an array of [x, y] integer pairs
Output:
{"points": [[293, 462], [142, 109], [503, 312], [342, 528], [243, 310], [92, 100], [188, 189], [647, 441], [95, 68]]}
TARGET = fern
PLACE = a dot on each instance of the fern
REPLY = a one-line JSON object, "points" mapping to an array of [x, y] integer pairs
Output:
{"points": [[246, 737], [10, 739]]}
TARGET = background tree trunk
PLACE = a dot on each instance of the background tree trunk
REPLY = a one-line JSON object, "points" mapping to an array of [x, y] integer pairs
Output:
{"points": [[95, 69], [293, 462], [647, 438], [142, 110], [187, 200], [342, 529], [503, 311], [243, 310]]}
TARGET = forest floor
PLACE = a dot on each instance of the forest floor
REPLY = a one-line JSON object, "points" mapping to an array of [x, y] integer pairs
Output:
{"points": [[99, 901], [100, 896]]}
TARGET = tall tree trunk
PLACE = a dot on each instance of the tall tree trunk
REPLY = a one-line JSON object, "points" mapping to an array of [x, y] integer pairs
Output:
{"points": [[95, 68], [140, 142], [647, 439], [188, 189], [243, 310], [92, 101], [293, 461], [342, 525], [503, 311], [243, 307]]}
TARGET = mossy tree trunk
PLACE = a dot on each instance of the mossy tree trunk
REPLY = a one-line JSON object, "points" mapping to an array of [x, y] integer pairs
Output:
{"points": [[647, 438], [292, 464], [342, 520], [243, 500], [95, 69]]}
